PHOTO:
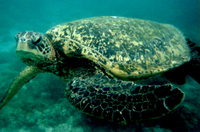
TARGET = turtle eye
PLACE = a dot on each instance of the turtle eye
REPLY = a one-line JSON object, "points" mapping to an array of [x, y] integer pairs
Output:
{"points": [[36, 41]]}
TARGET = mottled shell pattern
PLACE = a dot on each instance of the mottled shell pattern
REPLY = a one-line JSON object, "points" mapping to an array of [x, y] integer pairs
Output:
{"points": [[126, 48]]}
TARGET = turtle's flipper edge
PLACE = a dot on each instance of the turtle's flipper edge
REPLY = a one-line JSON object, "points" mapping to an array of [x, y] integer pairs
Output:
{"points": [[25, 76], [120, 101]]}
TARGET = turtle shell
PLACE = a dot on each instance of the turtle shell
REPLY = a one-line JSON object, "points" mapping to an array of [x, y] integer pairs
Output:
{"points": [[125, 47]]}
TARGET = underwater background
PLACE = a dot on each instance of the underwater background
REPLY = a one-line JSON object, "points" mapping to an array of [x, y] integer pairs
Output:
{"points": [[40, 106]]}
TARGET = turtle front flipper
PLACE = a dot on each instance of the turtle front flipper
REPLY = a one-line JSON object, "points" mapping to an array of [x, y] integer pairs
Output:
{"points": [[120, 101], [25, 76]]}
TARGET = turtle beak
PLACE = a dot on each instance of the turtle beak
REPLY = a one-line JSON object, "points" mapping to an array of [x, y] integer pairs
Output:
{"points": [[23, 49], [32, 46], [25, 43], [22, 45]]}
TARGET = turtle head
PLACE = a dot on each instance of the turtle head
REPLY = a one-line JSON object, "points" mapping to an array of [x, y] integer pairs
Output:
{"points": [[33, 47]]}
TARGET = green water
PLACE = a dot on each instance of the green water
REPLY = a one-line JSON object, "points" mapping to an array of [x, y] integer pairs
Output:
{"points": [[40, 106]]}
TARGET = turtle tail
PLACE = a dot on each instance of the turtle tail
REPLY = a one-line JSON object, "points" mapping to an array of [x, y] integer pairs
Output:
{"points": [[193, 66], [25, 76], [122, 101]]}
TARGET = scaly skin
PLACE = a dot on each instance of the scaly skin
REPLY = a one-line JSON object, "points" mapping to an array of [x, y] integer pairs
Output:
{"points": [[121, 101]]}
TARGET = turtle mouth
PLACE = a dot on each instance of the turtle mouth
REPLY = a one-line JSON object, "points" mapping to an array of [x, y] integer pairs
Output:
{"points": [[25, 46], [24, 50], [28, 41], [31, 46], [26, 54]]}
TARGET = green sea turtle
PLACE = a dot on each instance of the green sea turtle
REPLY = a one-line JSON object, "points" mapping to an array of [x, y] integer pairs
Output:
{"points": [[116, 68]]}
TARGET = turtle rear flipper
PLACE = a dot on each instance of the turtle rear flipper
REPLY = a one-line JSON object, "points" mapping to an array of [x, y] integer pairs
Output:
{"points": [[193, 66], [120, 101]]}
